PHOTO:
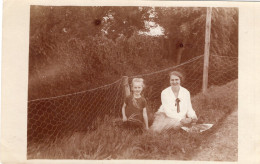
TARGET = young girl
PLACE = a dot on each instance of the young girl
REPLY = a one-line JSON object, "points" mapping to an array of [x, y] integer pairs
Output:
{"points": [[134, 108]]}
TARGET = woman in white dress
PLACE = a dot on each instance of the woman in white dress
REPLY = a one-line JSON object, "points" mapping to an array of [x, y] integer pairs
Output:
{"points": [[176, 109]]}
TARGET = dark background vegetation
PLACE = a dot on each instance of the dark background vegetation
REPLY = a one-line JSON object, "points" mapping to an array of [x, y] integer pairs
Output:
{"points": [[78, 48]]}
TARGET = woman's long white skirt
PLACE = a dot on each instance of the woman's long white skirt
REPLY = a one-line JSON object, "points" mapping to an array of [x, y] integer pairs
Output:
{"points": [[163, 123]]}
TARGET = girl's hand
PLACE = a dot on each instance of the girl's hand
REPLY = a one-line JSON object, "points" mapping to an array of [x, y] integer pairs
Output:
{"points": [[146, 128], [124, 119]]}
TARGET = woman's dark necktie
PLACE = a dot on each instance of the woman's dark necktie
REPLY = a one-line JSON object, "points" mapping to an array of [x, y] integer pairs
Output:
{"points": [[177, 102]]}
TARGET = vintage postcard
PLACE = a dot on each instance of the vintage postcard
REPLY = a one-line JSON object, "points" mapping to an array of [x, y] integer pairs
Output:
{"points": [[130, 81]]}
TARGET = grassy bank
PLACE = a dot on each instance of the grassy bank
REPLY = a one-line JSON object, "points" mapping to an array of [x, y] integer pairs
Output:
{"points": [[111, 141], [219, 147]]}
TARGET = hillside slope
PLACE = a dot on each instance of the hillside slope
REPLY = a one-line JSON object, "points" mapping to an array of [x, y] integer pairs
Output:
{"points": [[223, 145]]}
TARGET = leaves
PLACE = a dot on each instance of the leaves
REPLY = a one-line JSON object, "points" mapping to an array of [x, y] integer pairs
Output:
{"points": [[93, 46]]}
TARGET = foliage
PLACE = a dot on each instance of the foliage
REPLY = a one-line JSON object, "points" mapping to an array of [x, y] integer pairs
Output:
{"points": [[185, 29], [224, 32], [77, 48]]}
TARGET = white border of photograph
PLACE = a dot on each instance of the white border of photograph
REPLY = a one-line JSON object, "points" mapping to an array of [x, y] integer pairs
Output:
{"points": [[15, 77]]}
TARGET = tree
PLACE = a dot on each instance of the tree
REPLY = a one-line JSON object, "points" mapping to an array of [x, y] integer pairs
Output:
{"points": [[185, 31], [70, 46]]}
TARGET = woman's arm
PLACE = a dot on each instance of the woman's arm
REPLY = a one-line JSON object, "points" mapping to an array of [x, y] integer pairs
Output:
{"points": [[145, 118], [123, 112], [167, 105], [191, 113]]}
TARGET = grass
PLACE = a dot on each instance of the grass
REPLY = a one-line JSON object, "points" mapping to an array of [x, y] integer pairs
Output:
{"points": [[213, 147], [111, 141]]}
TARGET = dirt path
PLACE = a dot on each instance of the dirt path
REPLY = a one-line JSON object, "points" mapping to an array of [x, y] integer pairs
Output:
{"points": [[222, 146]]}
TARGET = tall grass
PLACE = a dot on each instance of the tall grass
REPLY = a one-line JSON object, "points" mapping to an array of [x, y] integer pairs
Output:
{"points": [[111, 141]]}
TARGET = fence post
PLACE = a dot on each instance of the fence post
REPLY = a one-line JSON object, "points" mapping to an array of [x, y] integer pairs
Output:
{"points": [[126, 86], [206, 50]]}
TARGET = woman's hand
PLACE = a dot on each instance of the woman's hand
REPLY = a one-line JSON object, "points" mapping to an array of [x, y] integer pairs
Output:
{"points": [[194, 120], [186, 121]]}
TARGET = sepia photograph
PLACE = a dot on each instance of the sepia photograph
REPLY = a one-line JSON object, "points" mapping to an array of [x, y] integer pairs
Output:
{"points": [[133, 83]]}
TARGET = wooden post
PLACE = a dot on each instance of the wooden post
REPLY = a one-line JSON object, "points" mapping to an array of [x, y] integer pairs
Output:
{"points": [[126, 86], [206, 50]]}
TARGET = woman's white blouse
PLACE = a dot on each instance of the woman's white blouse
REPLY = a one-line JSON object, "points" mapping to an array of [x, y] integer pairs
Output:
{"points": [[169, 106]]}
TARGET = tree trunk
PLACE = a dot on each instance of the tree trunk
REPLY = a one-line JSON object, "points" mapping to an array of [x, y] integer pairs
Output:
{"points": [[180, 49], [170, 48]]}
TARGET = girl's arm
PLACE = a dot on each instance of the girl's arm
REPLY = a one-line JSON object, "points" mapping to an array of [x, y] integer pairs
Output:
{"points": [[123, 112], [145, 118]]}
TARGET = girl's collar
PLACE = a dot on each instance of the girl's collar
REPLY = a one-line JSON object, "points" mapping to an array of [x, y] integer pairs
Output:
{"points": [[137, 97]]}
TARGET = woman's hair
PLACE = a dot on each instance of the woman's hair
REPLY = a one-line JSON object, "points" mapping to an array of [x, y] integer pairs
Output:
{"points": [[132, 84], [177, 73]]}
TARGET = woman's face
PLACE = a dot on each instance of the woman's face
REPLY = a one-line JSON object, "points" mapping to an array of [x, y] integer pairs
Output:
{"points": [[175, 81]]}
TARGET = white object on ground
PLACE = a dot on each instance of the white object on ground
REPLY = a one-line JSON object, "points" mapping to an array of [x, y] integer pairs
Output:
{"points": [[197, 128]]}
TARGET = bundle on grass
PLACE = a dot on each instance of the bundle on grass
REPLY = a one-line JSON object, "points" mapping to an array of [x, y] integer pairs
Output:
{"points": [[110, 141]]}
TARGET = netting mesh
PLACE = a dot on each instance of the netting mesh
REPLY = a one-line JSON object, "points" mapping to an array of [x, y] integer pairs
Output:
{"points": [[51, 118], [222, 69], [157, 81]]}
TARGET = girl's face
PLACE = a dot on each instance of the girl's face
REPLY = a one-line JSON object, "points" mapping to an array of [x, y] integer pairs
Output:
{"points": [[175, 81], [137, 87]]}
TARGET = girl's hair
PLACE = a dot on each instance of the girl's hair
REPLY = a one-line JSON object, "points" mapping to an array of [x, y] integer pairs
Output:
{"points": [[137, 80], [177, 73], [132, 84]]}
